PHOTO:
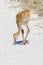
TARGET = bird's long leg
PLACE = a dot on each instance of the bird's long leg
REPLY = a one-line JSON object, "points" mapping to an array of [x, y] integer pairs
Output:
{"points": [[24, 42], [22, 34], [28, 30], [15, 35]]}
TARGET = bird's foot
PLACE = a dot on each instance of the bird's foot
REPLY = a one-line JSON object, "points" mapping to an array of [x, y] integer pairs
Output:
{"points": [[24, 42]]}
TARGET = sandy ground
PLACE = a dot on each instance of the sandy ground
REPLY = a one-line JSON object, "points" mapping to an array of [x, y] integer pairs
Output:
{"points": [[31, 54]]}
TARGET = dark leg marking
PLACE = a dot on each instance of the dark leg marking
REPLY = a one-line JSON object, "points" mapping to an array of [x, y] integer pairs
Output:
{"points": [[22, 31]]}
